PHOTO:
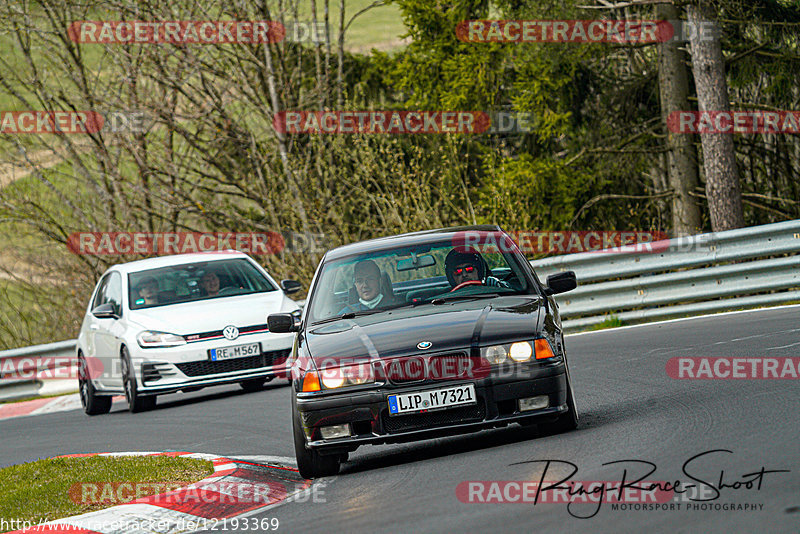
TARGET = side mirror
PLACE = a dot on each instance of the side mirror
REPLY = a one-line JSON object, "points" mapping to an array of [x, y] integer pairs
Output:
{"points": [[105, 311], [281, 323], [290, 286], [561, 283]]}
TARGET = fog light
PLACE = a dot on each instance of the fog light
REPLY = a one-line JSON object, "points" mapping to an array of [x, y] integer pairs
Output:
{"points": [[534, 403], [335, 431]]}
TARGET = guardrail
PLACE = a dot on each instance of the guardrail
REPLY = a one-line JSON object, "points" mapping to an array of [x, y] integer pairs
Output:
{"points": [[736, 269], [27, 380]]}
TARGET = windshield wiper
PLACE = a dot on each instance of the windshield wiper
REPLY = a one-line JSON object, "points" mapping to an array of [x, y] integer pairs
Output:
{"points": [[408, 305], [350, 315], [442, 300]]}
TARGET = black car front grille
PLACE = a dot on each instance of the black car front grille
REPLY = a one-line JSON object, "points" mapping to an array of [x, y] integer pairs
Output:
{"points": [[207, 367], [150, 373], [420, 421], [435, 367]]}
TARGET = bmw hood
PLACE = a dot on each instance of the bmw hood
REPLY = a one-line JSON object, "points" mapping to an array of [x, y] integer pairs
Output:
{"points": [[212, 314], [451, 326]]}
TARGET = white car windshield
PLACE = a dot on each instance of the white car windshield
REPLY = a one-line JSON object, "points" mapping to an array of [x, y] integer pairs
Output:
{"points": [[195, 281], [412, 275]]}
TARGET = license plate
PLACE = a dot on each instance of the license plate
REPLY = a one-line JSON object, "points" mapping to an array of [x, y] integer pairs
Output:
{"points": [[432, 399], [238, 351]]}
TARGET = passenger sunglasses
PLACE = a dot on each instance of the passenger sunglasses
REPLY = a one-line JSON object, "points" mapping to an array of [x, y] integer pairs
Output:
{"points": [[462, 270]]}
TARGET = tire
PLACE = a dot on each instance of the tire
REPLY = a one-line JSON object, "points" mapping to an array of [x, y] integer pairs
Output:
{"points": [[310, 463], [92, 403], [136, 403], [252, 385]]}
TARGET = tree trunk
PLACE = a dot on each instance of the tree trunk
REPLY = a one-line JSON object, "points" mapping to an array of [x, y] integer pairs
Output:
{"points": [[722, 177], [673, 82]]}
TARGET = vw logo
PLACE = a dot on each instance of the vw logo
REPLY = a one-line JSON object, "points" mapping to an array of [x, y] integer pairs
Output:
{"points": [[230, 332], [422, 345]]}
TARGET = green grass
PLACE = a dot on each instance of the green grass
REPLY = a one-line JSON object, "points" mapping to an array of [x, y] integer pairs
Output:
{"points": [[380, 27], [612, 321], [45, 490]]}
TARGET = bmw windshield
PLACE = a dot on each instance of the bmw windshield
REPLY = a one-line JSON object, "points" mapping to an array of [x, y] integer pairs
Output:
{"points": [[415, 275]]}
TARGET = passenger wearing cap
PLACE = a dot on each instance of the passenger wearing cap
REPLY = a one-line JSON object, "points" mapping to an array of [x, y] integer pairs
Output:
{"points": [[463, 267]]}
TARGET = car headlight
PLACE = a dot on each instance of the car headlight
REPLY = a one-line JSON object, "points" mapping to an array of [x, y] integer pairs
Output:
{"points": [[520, 352], [151, 340], [495, 354], [350, 375]]}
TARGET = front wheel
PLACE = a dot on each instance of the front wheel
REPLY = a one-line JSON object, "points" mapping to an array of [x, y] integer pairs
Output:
{"points": [[92, 403], [136, 402], [569, 420], [310, 463]]}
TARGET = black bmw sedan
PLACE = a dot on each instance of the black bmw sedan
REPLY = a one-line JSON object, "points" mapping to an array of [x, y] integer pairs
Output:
{"points": [[423, 335]]}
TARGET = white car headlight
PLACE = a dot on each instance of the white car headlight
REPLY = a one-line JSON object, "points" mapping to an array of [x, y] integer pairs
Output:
{"points": [[151, 340]]}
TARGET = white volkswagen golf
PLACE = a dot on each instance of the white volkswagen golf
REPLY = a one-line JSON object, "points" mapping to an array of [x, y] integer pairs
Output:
{"points": [[181, 323]]}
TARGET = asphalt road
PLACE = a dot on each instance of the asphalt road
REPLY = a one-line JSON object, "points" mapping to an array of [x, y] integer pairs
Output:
{"points": [[630, 410]]}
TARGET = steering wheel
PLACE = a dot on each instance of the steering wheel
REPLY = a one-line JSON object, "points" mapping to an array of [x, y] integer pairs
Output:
{"points": [[228, 290], [467, 283]]}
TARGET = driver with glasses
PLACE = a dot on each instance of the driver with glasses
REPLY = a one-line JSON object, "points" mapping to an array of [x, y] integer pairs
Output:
{"points": [[461, 267]]}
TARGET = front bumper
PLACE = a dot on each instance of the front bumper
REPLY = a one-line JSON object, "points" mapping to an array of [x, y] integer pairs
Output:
{"points": [[160, 371], [367, 412]]}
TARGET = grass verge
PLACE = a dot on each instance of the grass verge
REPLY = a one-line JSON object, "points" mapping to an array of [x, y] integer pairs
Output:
{"points": [[611, 321], [49, 489]]}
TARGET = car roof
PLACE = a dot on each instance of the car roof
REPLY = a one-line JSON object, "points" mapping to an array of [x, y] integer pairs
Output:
{"points": [[415, 238], [176, 259]]}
